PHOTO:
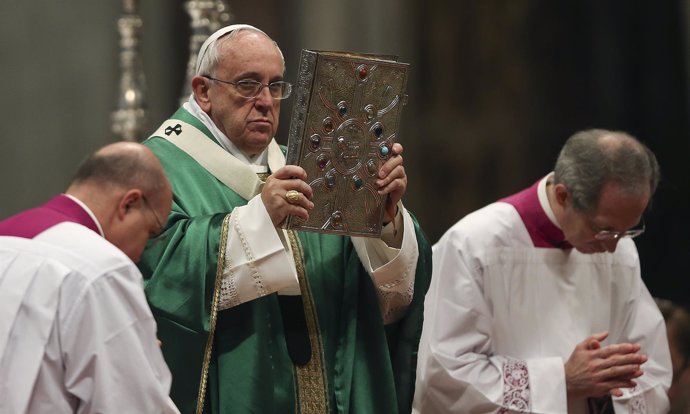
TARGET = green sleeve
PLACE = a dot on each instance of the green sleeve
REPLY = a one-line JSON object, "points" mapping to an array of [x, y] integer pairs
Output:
{"points": [[180, 266]]}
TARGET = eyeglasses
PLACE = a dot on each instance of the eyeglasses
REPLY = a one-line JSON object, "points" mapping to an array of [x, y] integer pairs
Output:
{"points": [[615, 235], [250, 88], [158, 221]]}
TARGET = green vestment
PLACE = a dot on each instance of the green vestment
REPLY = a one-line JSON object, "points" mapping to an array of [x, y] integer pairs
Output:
{"points": [[364, 366]]}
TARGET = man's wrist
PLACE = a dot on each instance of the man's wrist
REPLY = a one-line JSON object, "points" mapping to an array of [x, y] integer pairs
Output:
{"points": [[397, 211]]}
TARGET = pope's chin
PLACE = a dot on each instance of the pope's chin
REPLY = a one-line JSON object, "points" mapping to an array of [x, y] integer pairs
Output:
{"points": [[258, 141]]}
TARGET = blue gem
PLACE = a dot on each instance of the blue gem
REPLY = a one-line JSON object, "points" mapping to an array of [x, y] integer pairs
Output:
{"points": [[358, 182], [384, 150]]}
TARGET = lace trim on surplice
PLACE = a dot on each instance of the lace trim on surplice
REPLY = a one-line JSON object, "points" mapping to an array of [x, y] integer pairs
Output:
{"points": [[638, 405], [516, 391]]}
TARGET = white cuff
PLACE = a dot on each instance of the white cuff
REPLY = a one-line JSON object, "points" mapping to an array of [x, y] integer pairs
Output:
{"points": [[547, 384], [257, 262]]}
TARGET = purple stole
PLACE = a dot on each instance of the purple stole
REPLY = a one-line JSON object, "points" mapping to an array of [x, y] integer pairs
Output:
{"points": [[28, 224], [540, 228]]}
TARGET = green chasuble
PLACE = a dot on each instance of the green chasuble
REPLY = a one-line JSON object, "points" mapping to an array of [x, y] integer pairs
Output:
{"points": [[236, 360]]}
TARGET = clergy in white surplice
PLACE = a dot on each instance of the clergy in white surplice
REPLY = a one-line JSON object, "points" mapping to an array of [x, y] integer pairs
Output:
{"points": [[76, 332], [537, 304]]}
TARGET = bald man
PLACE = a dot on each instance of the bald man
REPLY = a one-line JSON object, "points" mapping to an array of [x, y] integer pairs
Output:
{"points": [[76, 333]]}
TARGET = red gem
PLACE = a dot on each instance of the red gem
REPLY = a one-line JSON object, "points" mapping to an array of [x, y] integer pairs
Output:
{"points": [[363, 72]]}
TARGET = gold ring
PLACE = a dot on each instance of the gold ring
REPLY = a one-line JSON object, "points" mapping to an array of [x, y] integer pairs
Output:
{"points": [[292, 196]]}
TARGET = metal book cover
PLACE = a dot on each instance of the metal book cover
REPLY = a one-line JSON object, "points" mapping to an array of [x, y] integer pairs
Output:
{"points": [[344, 122]]}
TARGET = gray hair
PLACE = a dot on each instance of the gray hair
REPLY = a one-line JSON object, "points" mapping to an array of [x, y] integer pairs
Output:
{"points": [[587, 162], [211, 57]]}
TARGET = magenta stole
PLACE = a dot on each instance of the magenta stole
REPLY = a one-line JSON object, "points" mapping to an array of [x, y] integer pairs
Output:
{"points": [[540, 228], [30, 223]]}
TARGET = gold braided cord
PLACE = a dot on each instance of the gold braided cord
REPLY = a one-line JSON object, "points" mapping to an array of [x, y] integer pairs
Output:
{"points": [[311, 383], [214, 314]]}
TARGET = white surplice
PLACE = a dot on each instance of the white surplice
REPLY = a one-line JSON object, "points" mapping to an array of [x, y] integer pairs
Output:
{"points": [[76, 332], [502, 317]]}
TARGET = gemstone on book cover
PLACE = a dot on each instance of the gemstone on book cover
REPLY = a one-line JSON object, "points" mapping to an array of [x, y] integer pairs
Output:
{"points": [[321, 162], [315, 141], [377, 130], [329, 180], [371, 167], [362, 72], [384, 150], [342, 108], [357, 182], [328, 125], [337, 219]]}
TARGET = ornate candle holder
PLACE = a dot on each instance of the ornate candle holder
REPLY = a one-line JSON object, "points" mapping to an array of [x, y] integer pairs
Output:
{"points": [[206, 16], [130, 121]]}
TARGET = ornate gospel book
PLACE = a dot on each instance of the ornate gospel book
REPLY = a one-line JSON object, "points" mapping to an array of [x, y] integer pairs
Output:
{"points": [[344, 122]]}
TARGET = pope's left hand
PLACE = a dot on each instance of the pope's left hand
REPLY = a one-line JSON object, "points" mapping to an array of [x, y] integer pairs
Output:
{"points": [[392, 181]]}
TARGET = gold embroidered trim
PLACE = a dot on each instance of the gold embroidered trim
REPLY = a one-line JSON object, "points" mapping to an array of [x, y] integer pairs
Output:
{"points": [[311, 381], [214, 314]]}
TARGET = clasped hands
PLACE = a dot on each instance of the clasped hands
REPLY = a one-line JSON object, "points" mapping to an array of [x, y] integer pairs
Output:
{"points": [[280, 200], [595, 371]]}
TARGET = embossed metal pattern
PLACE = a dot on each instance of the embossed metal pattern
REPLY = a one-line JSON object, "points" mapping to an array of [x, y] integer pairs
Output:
{"points": [[344, 122]]}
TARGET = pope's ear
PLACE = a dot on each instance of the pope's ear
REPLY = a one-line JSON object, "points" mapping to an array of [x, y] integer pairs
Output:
{"points": [[200, 88], [129, 200]]}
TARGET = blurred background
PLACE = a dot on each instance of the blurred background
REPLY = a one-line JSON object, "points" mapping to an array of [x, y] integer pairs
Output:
{"points": [[495, 88]]}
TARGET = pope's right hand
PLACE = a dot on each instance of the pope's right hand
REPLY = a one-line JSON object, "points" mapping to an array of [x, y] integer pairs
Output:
{"points": [[277, 200]]}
